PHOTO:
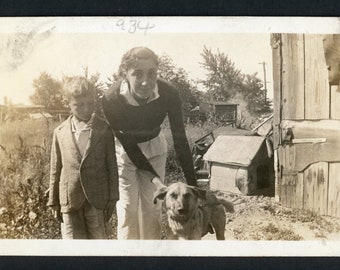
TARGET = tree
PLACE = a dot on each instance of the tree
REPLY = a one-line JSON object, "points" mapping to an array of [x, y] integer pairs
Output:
{"points": [[94, 78], [47, 92], [178, 77], [223, 79], [225, 82], [255, 96], [112, 80], [99, 88]]}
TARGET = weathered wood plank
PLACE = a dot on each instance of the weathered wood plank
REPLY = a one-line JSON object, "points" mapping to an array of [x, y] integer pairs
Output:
{"points": [[309, 140], [288, 180], [293, 81], [290, 157], [290, 162], [307, 154], [223, 178], [334, 190], [282, 188], [316, 79], [308, 189], [283, 191], [289, 191], [335, 102], [277, 76], [298, 195], [321, 195], [315, 188], [276, 43], [277, 170]]}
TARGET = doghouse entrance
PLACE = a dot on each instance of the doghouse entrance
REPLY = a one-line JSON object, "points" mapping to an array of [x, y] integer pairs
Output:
{"points": [[263, 176]]}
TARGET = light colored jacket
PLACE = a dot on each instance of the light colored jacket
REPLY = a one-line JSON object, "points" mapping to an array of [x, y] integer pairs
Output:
{"points": [[74, 178]]}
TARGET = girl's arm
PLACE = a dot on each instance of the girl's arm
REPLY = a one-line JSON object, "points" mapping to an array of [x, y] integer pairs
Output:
{"points": [[180, 140]]}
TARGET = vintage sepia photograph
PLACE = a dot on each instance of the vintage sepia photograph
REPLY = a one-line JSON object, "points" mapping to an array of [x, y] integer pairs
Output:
{"points": [[169, 136]]}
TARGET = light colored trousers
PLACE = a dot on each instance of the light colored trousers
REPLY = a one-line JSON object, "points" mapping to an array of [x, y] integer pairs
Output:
{"points": [[85, 223], [138, 217]]}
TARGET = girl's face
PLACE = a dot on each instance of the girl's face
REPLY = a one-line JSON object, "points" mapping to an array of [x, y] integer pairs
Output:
{"points": [[142, 78]]}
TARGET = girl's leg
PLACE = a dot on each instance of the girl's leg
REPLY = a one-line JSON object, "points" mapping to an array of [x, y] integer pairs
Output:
{"points": [[127, 206], [150, 213]]}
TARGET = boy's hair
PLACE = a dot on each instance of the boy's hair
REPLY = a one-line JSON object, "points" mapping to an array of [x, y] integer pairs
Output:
{"points": [[77, 86], [130, 58]]}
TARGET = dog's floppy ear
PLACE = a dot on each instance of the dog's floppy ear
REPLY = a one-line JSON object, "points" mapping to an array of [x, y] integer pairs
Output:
{"points": [[199, 192], [160, 194]]}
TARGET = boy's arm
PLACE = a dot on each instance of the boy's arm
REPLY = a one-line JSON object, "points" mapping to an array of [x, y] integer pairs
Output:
{"points": [[111, 163], [55, 170]]}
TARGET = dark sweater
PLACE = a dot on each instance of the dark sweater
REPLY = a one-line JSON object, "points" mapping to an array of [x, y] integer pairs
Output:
{"points": [[135, 124]]}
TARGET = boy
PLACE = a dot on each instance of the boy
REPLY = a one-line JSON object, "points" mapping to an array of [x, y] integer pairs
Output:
{"points": [[84, 175]]}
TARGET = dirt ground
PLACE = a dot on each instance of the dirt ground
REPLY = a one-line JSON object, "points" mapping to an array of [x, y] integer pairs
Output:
{"points": [[262, 218]]}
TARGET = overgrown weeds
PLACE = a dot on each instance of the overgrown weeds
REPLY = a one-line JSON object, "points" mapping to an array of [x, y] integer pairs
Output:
{"points": [[24, 170]]}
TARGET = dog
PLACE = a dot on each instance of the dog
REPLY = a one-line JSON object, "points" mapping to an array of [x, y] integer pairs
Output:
{"points": [[193, 212]]}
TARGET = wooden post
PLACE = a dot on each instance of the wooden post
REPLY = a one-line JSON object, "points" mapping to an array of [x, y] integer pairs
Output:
{"points": [[277, 68]]}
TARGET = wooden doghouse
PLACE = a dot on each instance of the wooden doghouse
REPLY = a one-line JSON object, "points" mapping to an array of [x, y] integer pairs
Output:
{"points": [[240, 164], [306, 122]]}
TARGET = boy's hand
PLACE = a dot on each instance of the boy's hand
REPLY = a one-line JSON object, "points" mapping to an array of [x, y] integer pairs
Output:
{"points": [[109, 210]]}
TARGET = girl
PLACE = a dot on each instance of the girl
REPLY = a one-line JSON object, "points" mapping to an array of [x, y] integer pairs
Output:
{"points": [[135, 108]]}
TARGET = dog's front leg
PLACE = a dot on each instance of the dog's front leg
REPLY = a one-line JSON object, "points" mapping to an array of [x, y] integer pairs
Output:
{"points": [[170, 234], [197, 235]]}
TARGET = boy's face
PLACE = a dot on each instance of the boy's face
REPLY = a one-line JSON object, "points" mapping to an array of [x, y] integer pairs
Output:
{"points": [[82, 107]]}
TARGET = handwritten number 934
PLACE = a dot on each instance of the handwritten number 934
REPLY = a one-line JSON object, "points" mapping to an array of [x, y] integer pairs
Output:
{"points": [[133, 26]]}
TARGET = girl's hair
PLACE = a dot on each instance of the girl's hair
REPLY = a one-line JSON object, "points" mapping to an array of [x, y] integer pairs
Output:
{"points": [[77, 86], [130, 58]]}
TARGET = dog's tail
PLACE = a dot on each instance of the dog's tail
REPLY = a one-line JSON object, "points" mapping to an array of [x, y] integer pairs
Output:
{"points": [[228, 206]]}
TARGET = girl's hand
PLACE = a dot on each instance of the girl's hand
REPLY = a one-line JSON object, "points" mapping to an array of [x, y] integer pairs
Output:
{"points": [[157, 181]]}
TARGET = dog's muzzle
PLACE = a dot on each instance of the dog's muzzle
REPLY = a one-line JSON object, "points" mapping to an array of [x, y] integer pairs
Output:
{"points": [[179, 218]]}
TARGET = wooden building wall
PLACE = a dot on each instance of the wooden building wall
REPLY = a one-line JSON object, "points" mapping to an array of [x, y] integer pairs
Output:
{"points": [[306, 125]]}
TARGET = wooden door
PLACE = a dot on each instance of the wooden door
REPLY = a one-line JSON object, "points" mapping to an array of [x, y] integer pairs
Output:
{"points": [[306, 125]]}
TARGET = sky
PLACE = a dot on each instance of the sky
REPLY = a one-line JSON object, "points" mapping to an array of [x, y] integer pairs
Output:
{"points": [[65, 46]]}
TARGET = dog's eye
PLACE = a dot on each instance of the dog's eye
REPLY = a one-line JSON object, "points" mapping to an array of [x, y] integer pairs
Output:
{"points": [[174, 195], [187, 195]]}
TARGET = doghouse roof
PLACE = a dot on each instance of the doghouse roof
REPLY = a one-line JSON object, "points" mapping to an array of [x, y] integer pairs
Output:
{"points": [[232, 131], [234, 150]]}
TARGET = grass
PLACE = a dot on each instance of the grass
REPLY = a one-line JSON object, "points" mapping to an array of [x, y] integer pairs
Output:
{"points": [[268, 231]]}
